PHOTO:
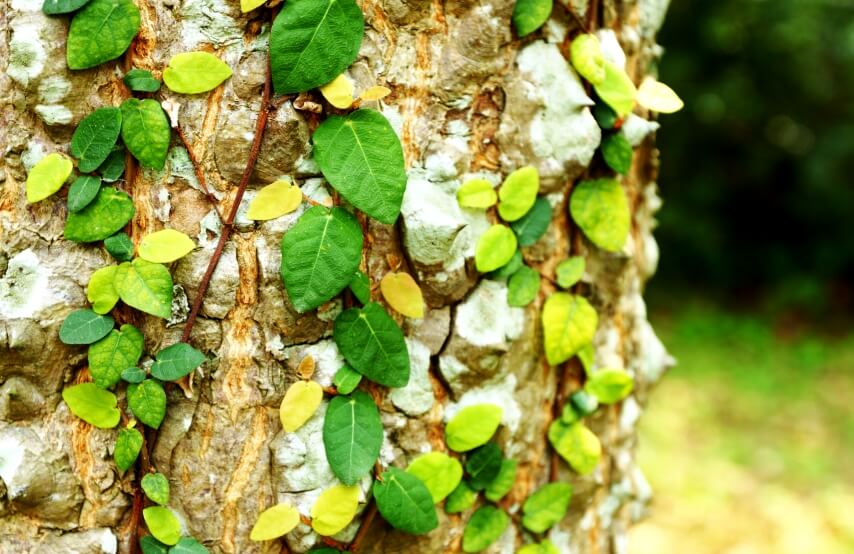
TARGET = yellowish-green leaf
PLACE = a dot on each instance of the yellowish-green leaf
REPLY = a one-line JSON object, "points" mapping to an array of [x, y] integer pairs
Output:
{"points": [[403, 294], [47, 176], [439, 472], [248, 6], [374, 93], [617, 89], [334, 509], [569, 271], [163, 524], [601, 209], [274, 522], [658, 97], [195, 72], [576, 444], [477, 193], [518, 193], [586, 55], [569, 323], [609, 385], [165, 246], [299, 404], [339, 92], [495, 248], [275, 200], [472, 426], [92, 404], [100, 290]]}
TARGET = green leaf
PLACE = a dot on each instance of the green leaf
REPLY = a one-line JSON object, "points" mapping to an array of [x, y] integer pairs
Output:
{"points": [[82, 192], [523, 287], [147, 401], [109, 212], [472, 426], [360, 285], [165, 246], [119, 246], [141, 80], [495, 248], [546, 507], [372, 343], [576, 444], [569, 323], [486, 525], [150, 545], [601, 209], [100, 32], [476, 193], [320, 254], [114, 166], [404, 502], [55, 7], [483, 465], [530, 15], [156, 488], [134, 375], [146, 287], [584, 403], [569, 414], [610, 385], [346, 379], [605, 115], [146, 131], [163, 524], [47, 176], [361, 156], [462, 498], [94, 138], [113, 354], [569, 271], [175, 361], [545, 547], [503, 482], [507, 270], [530, 227], [617, 153], [314, 41], [617, 90], [128, 445], [518, 193], [188, 545], [274, 522], [586, 356], [586, 56], [439, 472], [85, 327], [92, 404], [195, 72], [352, 436], [100, 290], [334, 509]]}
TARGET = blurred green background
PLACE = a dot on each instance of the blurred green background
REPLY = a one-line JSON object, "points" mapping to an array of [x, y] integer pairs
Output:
{"points": [[749, 441]]}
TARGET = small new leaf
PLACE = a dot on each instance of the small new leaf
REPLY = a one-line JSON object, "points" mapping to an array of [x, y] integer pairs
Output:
{"points": [[339, 92], [586, 56], [518, 193], [156, 488], [569, 323], [609, 385], [439, 472], [658, 97], [530, 15], [147, 401], [617, 89], [346, 379], [477, 193], [601, 209], [162, 523], [495, 248], [141, 80], [569, 271]]}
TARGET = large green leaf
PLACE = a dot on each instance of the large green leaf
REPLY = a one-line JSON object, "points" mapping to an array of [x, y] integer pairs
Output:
{"points": [[55, 7], [352, 436], [609, 385], [361, 156], [85, 327], [147, 401], [146, 131], [313, 41], [523, 286], [530, 15], [530, 227], [94, 138], [576, 444], [372, 343], [601, 209], [128, 445], [439, 472], [145, 286], [47, 176], [195, 72], [163, 524], [92, 404], [503, 482], [175, 361], [100, 290], [320, 254], [518, 193], [569, 323], [113, 354], [617, 89], [483, 465], [546, 507], [82, 192], [495, 248], [156, 487], [486, 525], [404, 502], [100, 32], [472, 426], [105, 215]]}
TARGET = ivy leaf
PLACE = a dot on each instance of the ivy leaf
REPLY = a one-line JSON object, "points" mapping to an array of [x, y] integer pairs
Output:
{"points": [[188, 545], [483, 465], [352, 436], [128, 445], [462, 498], [584, 403], [523, 287], [93, 405], [100, 290], [56, 7], [162, 523], [114, 166], [149, 545], [610, 385], [617, 153], [275, 200], [576, 444], [546, 507], [320, 254], [299, 404], [486, 525], [113, 354], [360, 285], [503, 482], [145, 286], [518, 193], [658, 97], [119, 246], [605, 115], [472, 426], [175, 361], [586, 356], [404, 502], [495, 248], [372, 343], [477, 193], [361, 156], [165, 246], [586, 56], [339, 92], [147, 401], [141, 80], [601, 209], [569, 323], [82, 192], [346, 379], [47, 176], [156, 488], [531, 226], [94, 138], [134, 375], [248, 6], [85, 327], [507, 270], [145, 131], [617, 90], [569, 271], [195, 72], [374, 93], [314, 41], [439, 472], [100, 32], [403, 294], [545, 547], [274, 522], [105, 215], [334, 509], [530, 15]]}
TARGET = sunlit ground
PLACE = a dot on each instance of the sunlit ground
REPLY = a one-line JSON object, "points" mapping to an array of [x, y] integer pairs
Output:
{"points": [[749, 442]]}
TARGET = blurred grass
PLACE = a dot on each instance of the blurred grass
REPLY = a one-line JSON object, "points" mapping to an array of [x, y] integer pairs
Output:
{"points": [[749, 442]]}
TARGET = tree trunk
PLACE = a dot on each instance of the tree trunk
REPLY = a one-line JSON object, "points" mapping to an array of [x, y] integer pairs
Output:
{"points": [[468, 99]]}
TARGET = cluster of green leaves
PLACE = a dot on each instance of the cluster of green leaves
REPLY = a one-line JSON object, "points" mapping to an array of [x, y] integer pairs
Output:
{"points": [[162, 522]]}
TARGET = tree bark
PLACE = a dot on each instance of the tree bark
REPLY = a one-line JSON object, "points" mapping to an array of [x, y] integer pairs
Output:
{"points": [[468, 99]]}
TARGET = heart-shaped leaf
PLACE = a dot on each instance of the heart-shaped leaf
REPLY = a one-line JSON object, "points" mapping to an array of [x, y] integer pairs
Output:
{"points": [[586, 56], [100, 32], [100, 290], [439, 472], [601, 209], [162, 523], [94, 138], [569, 323], [472, 426], [85, 327], [195, 72], [477, 193], [128, 445], [300, 402], [175, 361], [531, 226], [92, 404], [546, 507], [147, 401], [275, 200], [403, 294], [352, 436], [495, 248], [82, 192], [119, 246], [146, 131], [145, 286], [609, 385], [274, 522], [47, 176], [617, 89], [334, 509], [109, 212], [503, 482], [569, 271], [113, 354], [156, 488], [372, 343], [518, 193], [523, 287], [486, 525], [165, 246], [405, 502]]}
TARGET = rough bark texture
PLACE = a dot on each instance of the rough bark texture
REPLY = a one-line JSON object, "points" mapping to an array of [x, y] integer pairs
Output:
{"points": [[468, 99]]}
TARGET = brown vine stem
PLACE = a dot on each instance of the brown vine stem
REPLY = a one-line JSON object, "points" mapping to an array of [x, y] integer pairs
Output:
{"points": [[197, 169], [370, 514], [592, 13]]}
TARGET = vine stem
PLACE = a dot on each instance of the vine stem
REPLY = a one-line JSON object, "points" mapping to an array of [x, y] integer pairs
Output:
{"points": [[370, 514]]}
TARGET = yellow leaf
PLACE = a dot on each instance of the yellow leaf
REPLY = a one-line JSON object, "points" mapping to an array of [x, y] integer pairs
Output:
{"points": [[403, 294], [47, 176], [658, 97], [165, 246], [249, 5], [334, 509], [375, 93], [275, 522], [477, 193], [299, 404], [275, 200], [339, 92]]}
